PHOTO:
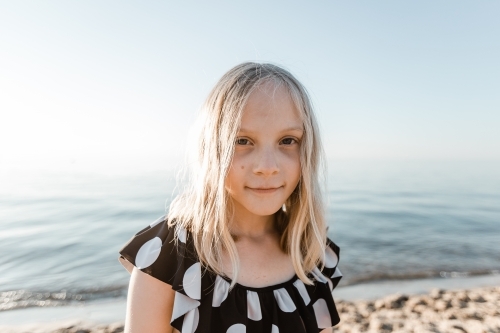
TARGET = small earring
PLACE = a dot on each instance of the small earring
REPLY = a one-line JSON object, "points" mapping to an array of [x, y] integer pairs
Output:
{"points": [[283, 208]]}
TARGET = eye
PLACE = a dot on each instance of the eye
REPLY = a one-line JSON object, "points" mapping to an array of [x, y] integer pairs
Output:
{"points": [[289, 141], [242, 141]]}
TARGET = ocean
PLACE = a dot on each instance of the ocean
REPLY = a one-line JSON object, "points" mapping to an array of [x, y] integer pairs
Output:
{"points": [[60, 232]]}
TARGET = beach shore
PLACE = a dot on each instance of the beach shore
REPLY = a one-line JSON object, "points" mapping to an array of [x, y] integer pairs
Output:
{"points": [[454, 311], [474, 310]]}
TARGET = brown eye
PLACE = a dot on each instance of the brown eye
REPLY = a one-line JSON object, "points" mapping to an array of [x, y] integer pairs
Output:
{"points": [[288, 141], [242, 141]]}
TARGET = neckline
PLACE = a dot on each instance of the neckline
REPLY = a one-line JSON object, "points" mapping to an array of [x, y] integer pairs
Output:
{"points": [[262, 289], [256, 289]]}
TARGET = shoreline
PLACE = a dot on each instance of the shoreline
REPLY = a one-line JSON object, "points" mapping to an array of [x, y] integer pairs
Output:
{"points": [[379, 289], [375, 306]]}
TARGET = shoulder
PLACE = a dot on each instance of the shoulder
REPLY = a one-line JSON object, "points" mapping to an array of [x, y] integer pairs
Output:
{"points": [[149, 304], [165, 252], [159, 250]]}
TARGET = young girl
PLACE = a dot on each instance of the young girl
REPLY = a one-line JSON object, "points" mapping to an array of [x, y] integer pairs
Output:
{"points": [[244, 249]]}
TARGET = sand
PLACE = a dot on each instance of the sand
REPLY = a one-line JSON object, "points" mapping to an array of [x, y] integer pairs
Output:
{"points": [[455, 311], [72, 326], [451, 311]]}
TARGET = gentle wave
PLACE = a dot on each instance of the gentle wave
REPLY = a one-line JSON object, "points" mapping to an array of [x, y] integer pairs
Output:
{"points": [[420, 275], [19, 299]]}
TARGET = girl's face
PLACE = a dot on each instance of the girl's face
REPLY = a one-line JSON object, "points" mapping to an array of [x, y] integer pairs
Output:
{"points": [[266, 164]]}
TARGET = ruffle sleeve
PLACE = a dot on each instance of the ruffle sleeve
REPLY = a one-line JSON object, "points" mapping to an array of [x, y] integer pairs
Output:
{"points": [[320, 297], [331, 261], [154, 251]]}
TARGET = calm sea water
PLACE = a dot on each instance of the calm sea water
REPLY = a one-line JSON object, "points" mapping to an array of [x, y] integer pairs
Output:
{"points": [[60, 231]]}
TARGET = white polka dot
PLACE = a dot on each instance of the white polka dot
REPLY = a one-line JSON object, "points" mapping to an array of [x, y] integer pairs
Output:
{"points": [[157, 221], [148, 253], [302, 291], [318, 275], [253, 306], [330, 284], [337, 273], [190, 322], [331, 258], [192, 281], [182, 305], [181, 234], [275, 329], [221, 290], [322, 314], [236, 328], [284, 300]]}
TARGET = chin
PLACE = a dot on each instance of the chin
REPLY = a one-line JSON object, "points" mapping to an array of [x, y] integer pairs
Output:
{"points": [[265, 211]]}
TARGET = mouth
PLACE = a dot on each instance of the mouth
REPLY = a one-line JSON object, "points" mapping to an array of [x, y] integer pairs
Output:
{"points": [[264, 190]]}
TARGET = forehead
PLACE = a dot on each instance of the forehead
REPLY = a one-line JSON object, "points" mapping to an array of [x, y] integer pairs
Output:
{"points": [[270, 105]]}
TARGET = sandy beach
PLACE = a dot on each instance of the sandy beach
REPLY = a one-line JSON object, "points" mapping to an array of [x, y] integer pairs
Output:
{"points": [[473, 310]]}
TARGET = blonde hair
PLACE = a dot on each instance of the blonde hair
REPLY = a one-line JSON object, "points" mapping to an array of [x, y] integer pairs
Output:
{"points": [[204, 207]]}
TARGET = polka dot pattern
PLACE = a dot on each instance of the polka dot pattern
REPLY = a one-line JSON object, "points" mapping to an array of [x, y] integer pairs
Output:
{"points": [[148, 253], [253, 306], [330, 284], [284, 300], [181, 235], [237, 328], [322, 314], [331, 258], [190, 322], [183, 304], [318, 275], [337, 273], [192, 281], [302, 291], [221, 289], [204, 304]]}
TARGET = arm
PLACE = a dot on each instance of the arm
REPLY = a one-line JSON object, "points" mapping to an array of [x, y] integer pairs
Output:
{"points": [[149, 305], [327, 330]]}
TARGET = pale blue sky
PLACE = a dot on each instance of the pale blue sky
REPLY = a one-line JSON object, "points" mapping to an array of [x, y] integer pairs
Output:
{"points": [[122, 80]]}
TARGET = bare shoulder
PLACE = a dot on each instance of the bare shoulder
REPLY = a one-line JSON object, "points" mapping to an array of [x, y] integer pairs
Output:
{"points": [[149, 304]]}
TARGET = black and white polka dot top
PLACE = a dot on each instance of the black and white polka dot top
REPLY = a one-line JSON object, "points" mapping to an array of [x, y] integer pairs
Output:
{"points": [[203, 302]]}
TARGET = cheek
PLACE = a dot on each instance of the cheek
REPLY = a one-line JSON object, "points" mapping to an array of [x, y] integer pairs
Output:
{"points": [[234, 175], [297, 173], [229, 179], [292, 161], [238, 166]]}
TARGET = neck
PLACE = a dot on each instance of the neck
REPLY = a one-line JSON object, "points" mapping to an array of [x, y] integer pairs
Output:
{"points": [[246, 224]]}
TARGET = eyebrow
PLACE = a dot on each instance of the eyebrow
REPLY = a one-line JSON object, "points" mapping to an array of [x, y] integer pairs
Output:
{"points": [[288, 129]]}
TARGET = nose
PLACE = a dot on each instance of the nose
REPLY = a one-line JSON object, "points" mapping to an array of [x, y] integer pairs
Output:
{"points": [[267, 162]]}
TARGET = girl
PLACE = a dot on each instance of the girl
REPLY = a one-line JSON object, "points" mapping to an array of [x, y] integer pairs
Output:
{"points": [[244, 249]]}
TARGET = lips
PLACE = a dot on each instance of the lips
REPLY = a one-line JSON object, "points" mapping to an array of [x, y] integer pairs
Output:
{"points": [[264, 190]]}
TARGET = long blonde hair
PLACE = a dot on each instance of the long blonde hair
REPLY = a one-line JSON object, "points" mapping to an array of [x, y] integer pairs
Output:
{"points": [[203, 208]]}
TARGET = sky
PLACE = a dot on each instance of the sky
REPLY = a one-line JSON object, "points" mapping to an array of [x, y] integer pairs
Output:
{"points": [[102, 82]]}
